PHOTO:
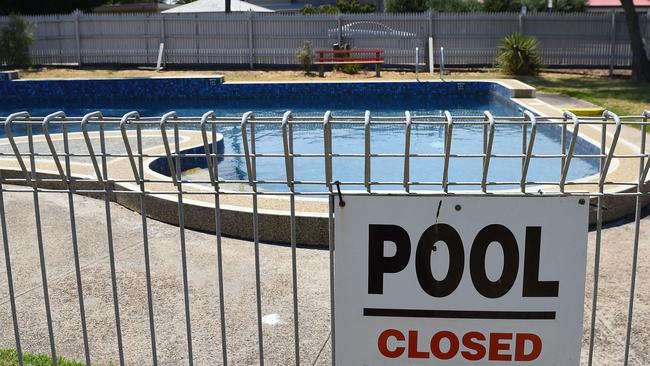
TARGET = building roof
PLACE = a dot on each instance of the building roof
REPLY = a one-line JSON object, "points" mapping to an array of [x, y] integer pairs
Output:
{"points": [[216, 6], [616, 3]]}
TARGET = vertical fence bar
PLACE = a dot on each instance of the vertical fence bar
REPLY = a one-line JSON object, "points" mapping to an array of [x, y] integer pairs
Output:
{"points": [[5, 243], [39, 238], [529, 150], [251, 38], [109, 227], [407, 150], [175, 170], [567, 156], [489, 118], [327, 137], [10, 278], [612, 42], [145, 245], [448, 133], [367, 178], [181, 224], [599, 227], [77, 35], [256, 228], [563, 142], [524, 143], [287, 142], [70, 183], [89, 145], [635, 250], [252, 179], [213, 165]]}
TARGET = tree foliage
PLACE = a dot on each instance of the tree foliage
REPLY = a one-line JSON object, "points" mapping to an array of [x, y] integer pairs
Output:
{"points": [[29, 7], [406, 6], [460, 6], [455, 6], [355, 6], [15, 41], [534, 5], [305, 56], [342, 6]]}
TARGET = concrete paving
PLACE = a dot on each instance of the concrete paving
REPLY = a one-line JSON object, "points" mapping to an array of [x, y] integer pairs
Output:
{"points": [[562, 101], [239, 278], [239, 296]]}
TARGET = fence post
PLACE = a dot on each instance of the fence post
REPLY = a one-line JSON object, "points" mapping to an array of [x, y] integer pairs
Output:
{"points": [[162, 28], [162, 38], [196, 36], [430, 44], [250, 39], [521, 23], [77, 36], [612, 43], [338, 20]]}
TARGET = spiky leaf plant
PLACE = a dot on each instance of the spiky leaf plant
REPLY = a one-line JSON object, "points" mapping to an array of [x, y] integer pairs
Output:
{"points": [[518, 55]]}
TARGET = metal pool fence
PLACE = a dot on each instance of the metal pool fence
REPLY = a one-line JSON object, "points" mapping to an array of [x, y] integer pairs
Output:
{"points": [[59, 152]]}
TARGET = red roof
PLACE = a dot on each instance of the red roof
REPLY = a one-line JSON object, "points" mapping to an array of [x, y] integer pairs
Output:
{"points": [[615, 3]]}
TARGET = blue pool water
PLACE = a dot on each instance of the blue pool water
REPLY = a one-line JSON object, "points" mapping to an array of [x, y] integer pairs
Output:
{"points": [[348, 101], [389, 139]]}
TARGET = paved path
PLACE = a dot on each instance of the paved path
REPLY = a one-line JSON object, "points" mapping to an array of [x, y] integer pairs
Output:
{"points": [[239, 291], [562, 101]]}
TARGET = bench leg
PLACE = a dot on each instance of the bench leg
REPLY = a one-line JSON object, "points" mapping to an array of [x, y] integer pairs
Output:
{"points": [[377, 70], [321, 70]]}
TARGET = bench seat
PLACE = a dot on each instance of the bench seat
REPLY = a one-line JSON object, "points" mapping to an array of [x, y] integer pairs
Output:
{"points": [[349, 57]]}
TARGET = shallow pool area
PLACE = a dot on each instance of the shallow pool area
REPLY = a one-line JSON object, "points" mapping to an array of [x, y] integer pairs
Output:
{"points": [[387, 143]]}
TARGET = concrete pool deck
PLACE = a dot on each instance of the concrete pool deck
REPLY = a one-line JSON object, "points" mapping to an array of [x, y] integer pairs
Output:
{"points": [[239, 281]]}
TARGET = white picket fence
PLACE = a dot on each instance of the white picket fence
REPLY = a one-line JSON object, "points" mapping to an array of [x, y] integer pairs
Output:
{"points": [[248, 39]]}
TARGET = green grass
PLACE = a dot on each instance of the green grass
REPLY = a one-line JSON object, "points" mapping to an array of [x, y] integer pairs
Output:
{"points": [[9, 357], [620, 96]]}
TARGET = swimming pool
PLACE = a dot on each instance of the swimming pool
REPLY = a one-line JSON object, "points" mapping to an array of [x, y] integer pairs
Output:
{"points": [[388, 99]]}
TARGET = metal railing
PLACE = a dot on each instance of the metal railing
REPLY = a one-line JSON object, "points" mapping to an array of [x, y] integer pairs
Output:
{"points": [[28, 176]]}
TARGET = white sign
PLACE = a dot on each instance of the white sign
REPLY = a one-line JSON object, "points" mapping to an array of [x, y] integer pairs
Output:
{"points": [[459, 280]]}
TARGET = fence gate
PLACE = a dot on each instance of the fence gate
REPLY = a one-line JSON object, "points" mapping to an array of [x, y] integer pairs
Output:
{"points": [[505, 266]]}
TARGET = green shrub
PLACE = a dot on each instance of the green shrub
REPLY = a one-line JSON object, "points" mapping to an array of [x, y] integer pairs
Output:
{"points": [[351, 68], [342, 6], [15, 41], [321, 9], [455, 6], [405, 6], [305, 56], [518, 55], [355, 6], [534, 5]]}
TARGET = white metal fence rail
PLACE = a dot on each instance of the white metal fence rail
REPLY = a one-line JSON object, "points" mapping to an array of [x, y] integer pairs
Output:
{"points": [[132, 126], [247, 39]]}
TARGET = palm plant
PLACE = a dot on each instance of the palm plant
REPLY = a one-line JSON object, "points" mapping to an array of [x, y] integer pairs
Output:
{"points": [[518, 55]]}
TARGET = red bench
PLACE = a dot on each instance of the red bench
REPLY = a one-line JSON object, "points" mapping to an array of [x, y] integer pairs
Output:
{"points": [[344, 57]]}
